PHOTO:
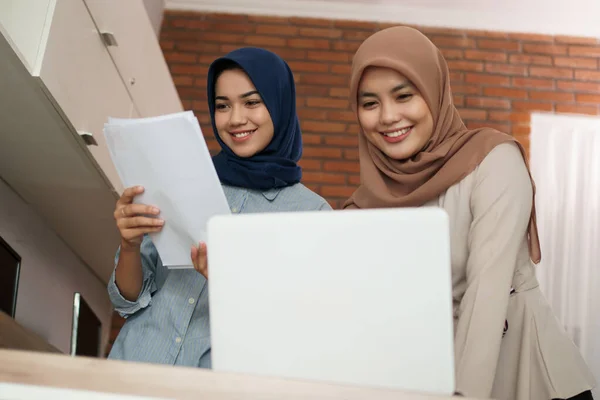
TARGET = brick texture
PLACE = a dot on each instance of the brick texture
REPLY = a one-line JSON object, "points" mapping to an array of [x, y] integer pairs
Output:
{"points": [[498, 79]]}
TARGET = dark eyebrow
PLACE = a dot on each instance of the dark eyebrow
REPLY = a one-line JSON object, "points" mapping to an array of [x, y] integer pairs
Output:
{"points": [[243, 96], [367, 94], [250, 93], [401, 86]]}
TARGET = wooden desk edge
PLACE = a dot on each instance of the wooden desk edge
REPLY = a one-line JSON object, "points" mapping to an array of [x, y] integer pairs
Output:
{"points": [[121, 377], [15, 336]]}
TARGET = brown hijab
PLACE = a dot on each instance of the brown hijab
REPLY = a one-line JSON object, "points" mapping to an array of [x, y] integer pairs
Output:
{"points": [[453, 150]]}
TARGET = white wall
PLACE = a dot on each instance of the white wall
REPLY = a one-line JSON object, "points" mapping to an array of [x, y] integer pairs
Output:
{"points": [[50, 274], [554, 17]]}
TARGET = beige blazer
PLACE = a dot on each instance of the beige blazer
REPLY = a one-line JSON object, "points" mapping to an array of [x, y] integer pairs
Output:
{"points": [[489, 212]]}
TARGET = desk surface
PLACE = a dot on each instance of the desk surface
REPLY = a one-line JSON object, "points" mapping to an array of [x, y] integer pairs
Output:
{"points": [[125, 378]]}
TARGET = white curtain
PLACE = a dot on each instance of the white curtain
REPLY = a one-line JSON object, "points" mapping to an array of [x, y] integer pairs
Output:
{"points": [[565, 163]]}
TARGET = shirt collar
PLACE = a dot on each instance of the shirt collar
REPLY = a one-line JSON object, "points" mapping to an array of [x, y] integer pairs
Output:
{"points": [[271, 194]]}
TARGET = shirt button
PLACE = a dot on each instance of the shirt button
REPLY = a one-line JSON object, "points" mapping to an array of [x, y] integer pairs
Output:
{"points": [[178, 340], [191, 300], [234, 210]]}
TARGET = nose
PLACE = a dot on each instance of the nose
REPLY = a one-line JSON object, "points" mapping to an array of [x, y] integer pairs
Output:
{"points": [[238, 116], [390, 114]]}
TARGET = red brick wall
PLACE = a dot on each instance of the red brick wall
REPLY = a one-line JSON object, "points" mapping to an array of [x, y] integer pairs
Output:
{"points": [[498, 79]]}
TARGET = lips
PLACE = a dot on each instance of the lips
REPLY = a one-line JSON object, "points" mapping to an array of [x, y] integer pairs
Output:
{"points": [[398, 135], [240, 136]]}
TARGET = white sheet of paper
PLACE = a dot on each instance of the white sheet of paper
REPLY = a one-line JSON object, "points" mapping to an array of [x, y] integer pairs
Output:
{"points": [[168, 156]]}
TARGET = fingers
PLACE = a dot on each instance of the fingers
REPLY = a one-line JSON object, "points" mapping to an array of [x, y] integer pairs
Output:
{"points": [[131, 210], [135, 220], [194, 256], [200, 259], [139, 222], [129, 194]]}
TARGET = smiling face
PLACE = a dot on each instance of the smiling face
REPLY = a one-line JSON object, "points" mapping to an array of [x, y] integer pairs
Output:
{"points": [[392, 113], [241, 117]]}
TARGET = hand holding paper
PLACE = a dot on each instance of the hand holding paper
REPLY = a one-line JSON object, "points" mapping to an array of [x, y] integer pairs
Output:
{"points": [[168, 156], [200, 259]]}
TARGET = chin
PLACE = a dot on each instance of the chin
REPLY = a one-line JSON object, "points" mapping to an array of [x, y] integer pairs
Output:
{"points": [[395, 155], [244, 153], [399, 151], [396, 152]]}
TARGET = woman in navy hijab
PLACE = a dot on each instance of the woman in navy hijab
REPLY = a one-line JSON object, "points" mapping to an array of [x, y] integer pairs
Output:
{"points": [[252, 102]]}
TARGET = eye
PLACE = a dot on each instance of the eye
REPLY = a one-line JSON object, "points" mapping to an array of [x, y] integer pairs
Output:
{"points": [[369, 104], [253, 103], [405, 96], [220, 106]]}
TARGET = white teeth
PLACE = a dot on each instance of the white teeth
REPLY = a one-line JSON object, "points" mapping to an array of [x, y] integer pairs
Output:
{"points": [[242, 134], [399, 132]]}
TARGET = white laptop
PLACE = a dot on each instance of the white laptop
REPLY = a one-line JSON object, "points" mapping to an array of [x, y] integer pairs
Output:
{"points": [[360, 297]]}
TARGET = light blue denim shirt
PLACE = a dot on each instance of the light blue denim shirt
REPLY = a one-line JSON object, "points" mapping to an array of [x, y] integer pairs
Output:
{"points": [[169, 322]]}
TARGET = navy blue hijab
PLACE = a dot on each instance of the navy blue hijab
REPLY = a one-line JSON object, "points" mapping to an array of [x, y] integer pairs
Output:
{"points": [[275, 166]]}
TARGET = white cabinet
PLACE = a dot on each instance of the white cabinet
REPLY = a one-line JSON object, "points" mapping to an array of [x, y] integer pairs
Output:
{"points": [[135, 40], [58, 78], [60, 42], [81, 77], [25, 24]]}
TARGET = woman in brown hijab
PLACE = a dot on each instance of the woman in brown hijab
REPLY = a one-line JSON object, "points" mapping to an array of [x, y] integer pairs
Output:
{"points": [[415, 151]]}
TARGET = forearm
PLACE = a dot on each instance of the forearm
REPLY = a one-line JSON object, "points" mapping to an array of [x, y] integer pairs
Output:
{"points": [[128, 274]]}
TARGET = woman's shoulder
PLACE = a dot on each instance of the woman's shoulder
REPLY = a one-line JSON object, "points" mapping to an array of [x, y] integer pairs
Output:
{"points": [[505, 154], [506, 164], [302, 195], [503, 170], [502, 174], [296, 197], [504, 161]]}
